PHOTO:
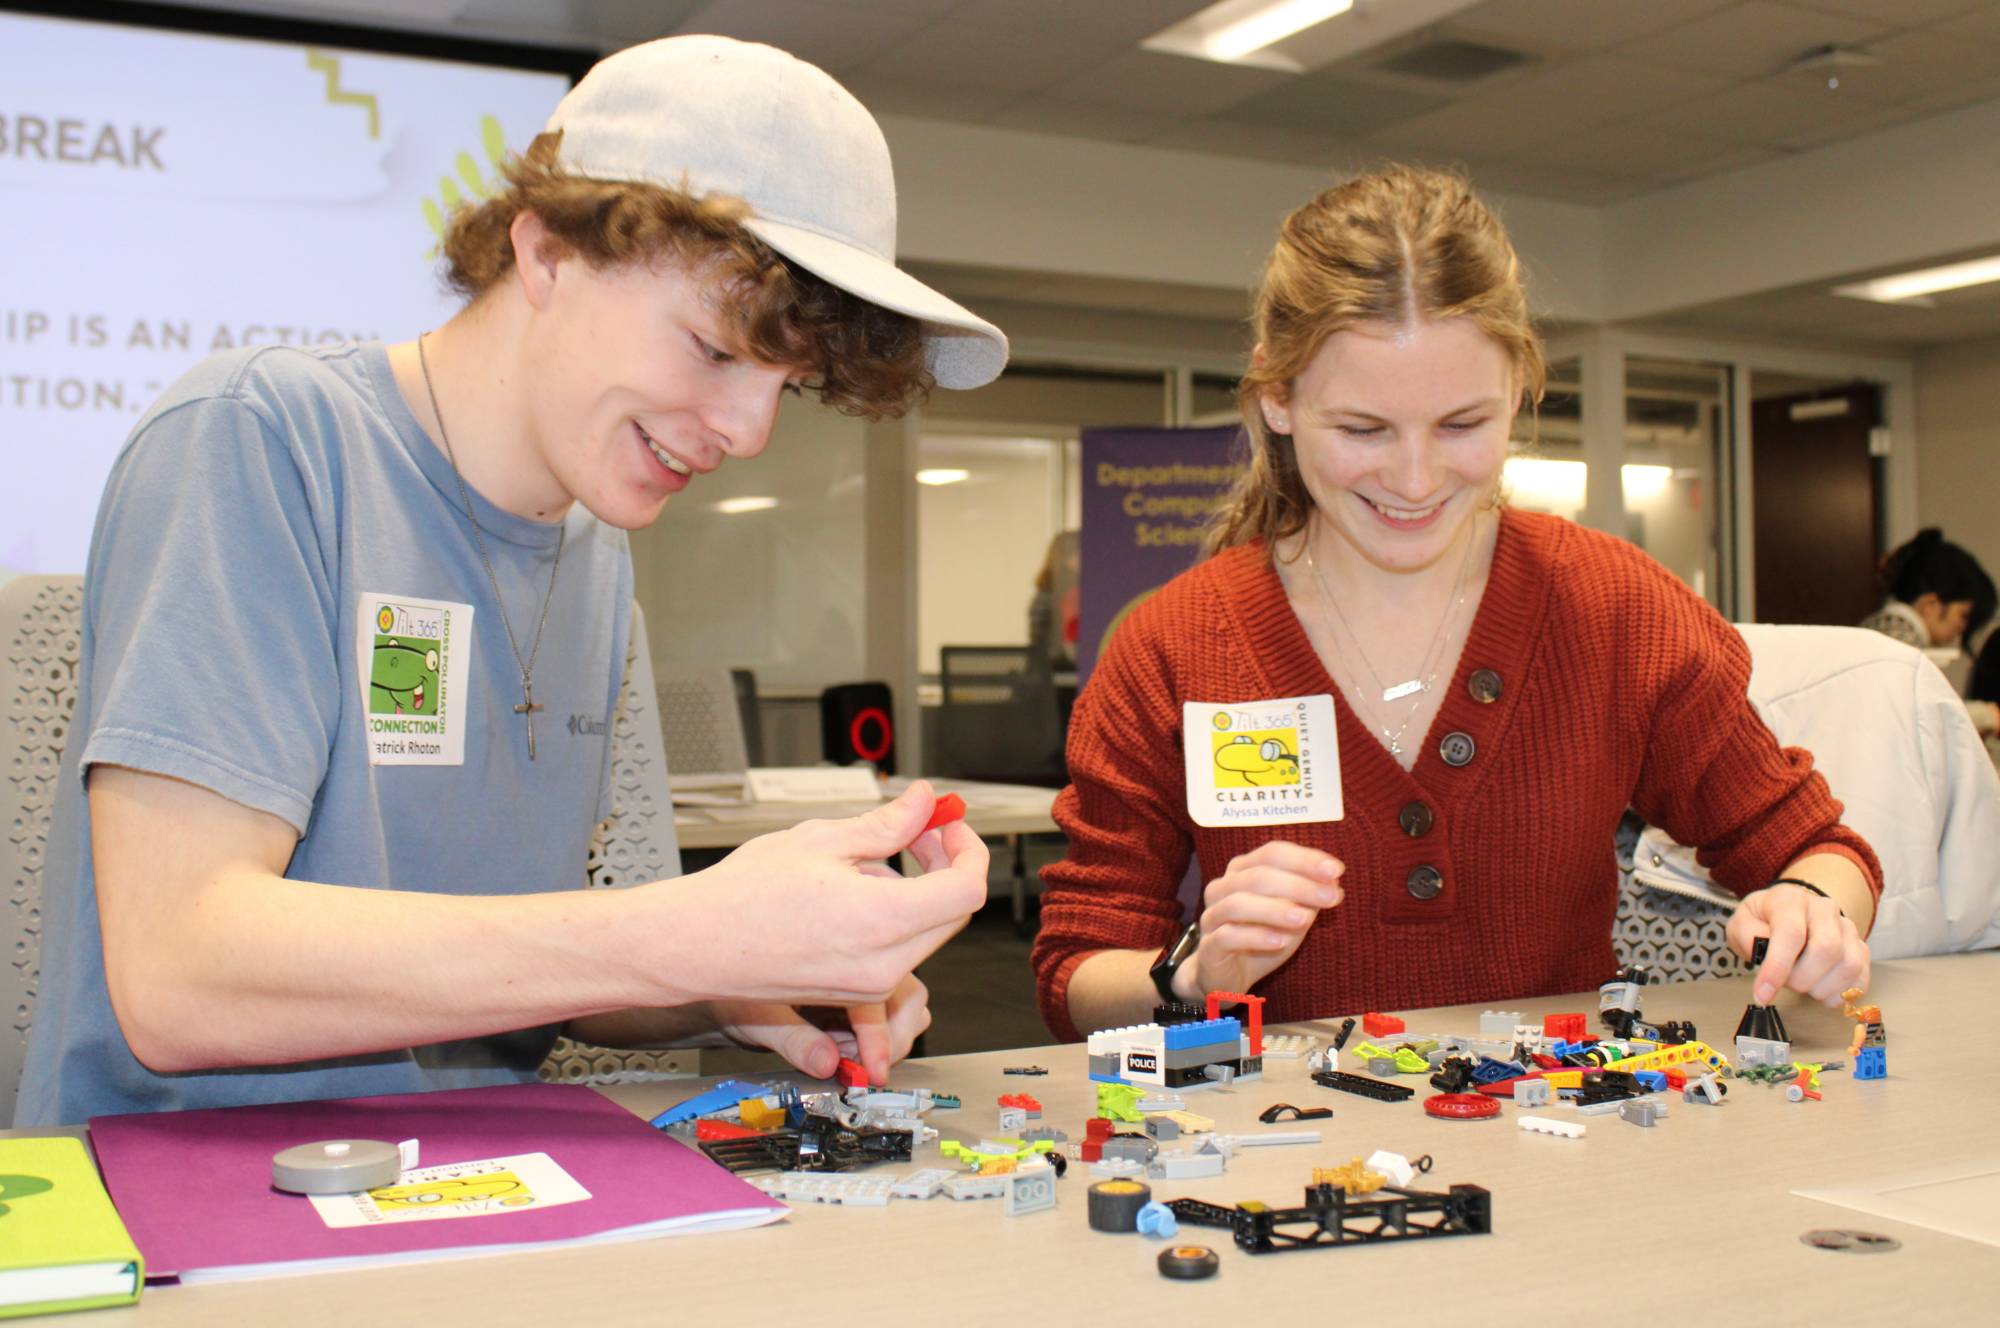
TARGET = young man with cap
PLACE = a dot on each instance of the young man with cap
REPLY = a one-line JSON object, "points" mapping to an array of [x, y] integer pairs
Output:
{"points": [[319, 827]]}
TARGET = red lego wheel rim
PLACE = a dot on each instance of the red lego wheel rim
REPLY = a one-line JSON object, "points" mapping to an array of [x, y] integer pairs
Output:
{"points": [[1462, 1106]]}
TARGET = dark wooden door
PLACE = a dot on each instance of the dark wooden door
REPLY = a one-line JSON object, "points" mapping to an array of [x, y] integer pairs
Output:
{"points": [[1815, 518]]}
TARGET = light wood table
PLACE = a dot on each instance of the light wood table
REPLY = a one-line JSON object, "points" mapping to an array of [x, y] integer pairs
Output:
{"points": [[1691, 1217]]}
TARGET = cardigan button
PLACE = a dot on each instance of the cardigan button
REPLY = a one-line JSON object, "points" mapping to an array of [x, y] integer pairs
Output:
{"points": [[1484, 684], [1416, 819], [1457, 749], [1425, 882]]}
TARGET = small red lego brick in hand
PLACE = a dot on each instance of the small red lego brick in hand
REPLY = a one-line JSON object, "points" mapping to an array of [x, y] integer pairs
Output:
{"points": [[850, 1074], [949, 808]]}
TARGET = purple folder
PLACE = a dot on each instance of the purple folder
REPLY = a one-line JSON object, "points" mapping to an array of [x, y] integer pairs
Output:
{"points": [[194, 1187]]}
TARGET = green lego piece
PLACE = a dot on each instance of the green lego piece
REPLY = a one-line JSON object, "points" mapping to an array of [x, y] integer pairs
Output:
{"points": [[1407, 1060], [973, 1157], [1119, 1102], [946, 1101]]}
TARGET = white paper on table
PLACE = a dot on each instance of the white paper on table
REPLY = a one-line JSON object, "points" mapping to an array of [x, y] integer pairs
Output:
{"points": [[1960, 1200]]}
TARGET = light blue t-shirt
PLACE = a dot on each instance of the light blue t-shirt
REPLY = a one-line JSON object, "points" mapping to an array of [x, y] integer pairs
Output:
{"points": [[284, 604]]}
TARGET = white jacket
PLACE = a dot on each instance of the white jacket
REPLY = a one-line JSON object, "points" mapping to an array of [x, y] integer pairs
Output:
{"points": [[1896, 745]]}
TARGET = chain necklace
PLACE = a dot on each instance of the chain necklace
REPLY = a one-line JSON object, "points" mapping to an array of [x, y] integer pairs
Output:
{"points": [[528, 705], [1433, 660]]}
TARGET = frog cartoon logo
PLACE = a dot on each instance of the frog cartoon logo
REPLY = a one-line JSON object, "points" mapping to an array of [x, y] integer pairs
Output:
{"points": [[404, 677], [1255, 760]]}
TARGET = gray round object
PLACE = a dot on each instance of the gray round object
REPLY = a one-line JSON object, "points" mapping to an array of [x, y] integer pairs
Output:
{"points": [[1850, 1242], [1424, 882], [336, 1166], [1457, 749]]}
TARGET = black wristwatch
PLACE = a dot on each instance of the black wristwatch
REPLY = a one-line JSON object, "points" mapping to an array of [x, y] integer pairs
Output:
{"points": [[1171, 959]]}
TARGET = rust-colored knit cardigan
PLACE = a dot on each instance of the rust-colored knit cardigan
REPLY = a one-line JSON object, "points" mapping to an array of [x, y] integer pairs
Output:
{"points": [[1617, 687]]}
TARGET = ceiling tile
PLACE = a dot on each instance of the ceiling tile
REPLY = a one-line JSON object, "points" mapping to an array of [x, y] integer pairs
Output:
{"points": [[1950, 99], [1904, 11], [1168, 84], [1331, 105], [1266, 142], [1982, 23], [1000, 57], [1754, 38], [1771, 112], [1465, 128], [1915, 64], [923, 100], [1038, 114], [1635, 148], [1582, 25], [1600, 89], [1872, 121], [835, 37]]}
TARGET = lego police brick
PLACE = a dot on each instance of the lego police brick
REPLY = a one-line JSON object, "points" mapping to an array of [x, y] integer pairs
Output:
{"points": [[1105, 1069]]}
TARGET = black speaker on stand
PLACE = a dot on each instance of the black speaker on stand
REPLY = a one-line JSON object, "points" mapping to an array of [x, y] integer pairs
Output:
{"points": [[857, 723]]}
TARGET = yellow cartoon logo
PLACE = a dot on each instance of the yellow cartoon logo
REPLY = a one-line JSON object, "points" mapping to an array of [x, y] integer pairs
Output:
{"points": [[1256, 759], [503, 1187]]}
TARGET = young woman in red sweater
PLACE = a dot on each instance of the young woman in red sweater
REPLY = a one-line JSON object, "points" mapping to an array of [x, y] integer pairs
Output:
{"points": [[1501, 685]]}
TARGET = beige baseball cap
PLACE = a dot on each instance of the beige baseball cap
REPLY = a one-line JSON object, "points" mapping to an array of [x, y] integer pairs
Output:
{"points": [[713, 115]]}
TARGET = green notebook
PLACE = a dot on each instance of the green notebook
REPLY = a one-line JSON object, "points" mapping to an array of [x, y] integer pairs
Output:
{"points": [[62, 1246]]}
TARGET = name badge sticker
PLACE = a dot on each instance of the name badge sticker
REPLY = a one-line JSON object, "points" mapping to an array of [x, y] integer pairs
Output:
{"points": [[1262, 762], [414, 660]]}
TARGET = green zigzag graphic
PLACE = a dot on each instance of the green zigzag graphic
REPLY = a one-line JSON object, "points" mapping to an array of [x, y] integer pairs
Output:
{"points": [[336, 95]]}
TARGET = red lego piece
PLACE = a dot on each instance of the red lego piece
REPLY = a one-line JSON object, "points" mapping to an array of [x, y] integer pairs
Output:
{"points": [[722, 1129], [850, 1074], [1676, 1079], [1381, 1025], [949, 808], [1568, 1027], [1099, 1128], [1021, 1100], [1218, 999]]}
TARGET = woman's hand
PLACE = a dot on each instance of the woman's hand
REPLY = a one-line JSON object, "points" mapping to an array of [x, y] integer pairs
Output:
{"points": [[1814, 948], [1255, 915]]}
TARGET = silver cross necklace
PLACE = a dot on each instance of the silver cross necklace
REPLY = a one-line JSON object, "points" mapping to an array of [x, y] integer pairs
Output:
{"points": [[528, 705]]}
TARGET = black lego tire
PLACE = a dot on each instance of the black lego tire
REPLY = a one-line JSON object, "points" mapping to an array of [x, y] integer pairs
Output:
{"points": [[1189, 1263], [1114, 1205]]}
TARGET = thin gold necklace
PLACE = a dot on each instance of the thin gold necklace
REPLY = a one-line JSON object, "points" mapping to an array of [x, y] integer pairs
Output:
{"points": [[528, 705]]}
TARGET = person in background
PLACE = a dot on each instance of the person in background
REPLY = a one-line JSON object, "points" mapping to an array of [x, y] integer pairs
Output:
{"points": [[1052, 610], [1939, 599], [1503, 685], [321, 823]]}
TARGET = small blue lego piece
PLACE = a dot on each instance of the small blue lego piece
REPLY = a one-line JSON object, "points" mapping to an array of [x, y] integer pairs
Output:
{"points": [[719, 1098], [1872, 1063], [1490, 1071], [1653, 1081], [1157, 1220], [1202, 1033]]}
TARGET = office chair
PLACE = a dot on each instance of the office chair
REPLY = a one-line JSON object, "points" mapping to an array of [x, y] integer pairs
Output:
{"points": [[700, 723], [1900, 753], [41, 624]]}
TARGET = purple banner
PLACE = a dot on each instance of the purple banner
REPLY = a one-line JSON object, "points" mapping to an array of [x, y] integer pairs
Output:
{"points": [[1147, 497]]}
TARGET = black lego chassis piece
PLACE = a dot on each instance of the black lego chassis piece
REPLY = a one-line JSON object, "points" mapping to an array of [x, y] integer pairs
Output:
{"points": [[1363, 1085], [821, 1144], [1330, 1217]]}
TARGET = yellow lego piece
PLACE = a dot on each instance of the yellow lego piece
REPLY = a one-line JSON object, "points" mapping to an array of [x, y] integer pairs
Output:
{"points": [[1354, 1178], [760, 1115], [1667, 1057], [996, 1166]]}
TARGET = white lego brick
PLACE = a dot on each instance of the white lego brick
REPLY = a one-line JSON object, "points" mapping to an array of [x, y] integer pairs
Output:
{"points": [[1289, 1046], [824, 1188], [1155, 1103], [1395, 1168], [921, 1184], [1499, 1023], [1270, 1139], [1013, 1120], [1112, 1168], [1030, 1190], [1186, 1166], [976, 1187], [1543, 1125]]}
